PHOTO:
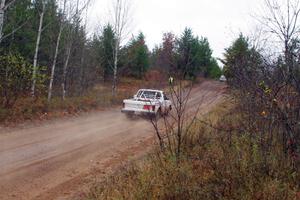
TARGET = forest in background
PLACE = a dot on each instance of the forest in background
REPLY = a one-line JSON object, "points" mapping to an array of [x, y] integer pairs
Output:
{"points": [[46, 52]]}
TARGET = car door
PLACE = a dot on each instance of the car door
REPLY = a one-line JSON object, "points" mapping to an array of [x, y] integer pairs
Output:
{"points": [[159, 101], [166, 103]]}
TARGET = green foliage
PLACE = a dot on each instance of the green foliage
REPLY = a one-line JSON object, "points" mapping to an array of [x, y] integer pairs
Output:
{"points": [[21, 41], [235, 55], [15, 78], [138, 56], [106, 50], [194, 55], [21, 27], [186, 52], [187, 56], [213, 70], [20, 35], [51, 25], [242, 62]]}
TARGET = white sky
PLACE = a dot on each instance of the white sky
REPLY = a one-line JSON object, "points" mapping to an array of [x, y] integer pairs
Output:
{"points": [[219, 20]]}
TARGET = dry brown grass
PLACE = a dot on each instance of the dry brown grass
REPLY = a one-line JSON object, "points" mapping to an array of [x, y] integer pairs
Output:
{"points": [[97, 98], [218, 162]]}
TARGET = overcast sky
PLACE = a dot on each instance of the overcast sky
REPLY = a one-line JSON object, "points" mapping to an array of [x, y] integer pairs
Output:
{"points": [[219, 20]]}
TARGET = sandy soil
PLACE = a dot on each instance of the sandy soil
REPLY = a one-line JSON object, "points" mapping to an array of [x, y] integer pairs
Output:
{"points": [[58, 159]]}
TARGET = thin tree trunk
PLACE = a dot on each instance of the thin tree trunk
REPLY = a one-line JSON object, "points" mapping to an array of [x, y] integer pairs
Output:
{"points": [[114, 88], [2, 8], [118, 28], [82, 73], [54, 65], [37, 47], [83, 81], [65, 73], [56, 55], [121, 19]]}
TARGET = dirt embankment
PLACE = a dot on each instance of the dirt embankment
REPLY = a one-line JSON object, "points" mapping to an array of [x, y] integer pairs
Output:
{"points": [[59, 158]]}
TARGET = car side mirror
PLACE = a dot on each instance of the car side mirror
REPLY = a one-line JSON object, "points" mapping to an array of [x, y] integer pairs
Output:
{"points": [[134, 96]]}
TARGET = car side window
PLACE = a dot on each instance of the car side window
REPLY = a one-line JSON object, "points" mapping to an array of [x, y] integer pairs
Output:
{"points": [[139, 93], [158, 95], [165, 97]]}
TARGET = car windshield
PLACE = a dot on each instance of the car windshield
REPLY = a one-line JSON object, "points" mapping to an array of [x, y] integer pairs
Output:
{"points": [[147, 95]]}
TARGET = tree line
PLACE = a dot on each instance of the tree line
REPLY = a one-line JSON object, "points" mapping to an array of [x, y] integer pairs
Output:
{"points": [[46, 50], [186, 54]]}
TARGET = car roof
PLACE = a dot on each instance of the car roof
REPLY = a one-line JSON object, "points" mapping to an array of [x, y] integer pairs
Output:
{"points": [[150, 90]]}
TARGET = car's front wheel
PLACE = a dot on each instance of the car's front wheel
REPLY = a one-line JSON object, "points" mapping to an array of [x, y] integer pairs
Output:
{"points": [[156, 115]]}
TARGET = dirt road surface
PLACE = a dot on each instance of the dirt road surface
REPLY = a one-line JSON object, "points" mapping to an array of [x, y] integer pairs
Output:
{"points": [[57, 159]]}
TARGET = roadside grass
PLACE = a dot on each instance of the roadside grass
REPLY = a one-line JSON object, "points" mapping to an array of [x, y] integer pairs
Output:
{"points": [[97, 98], [219, 161]]}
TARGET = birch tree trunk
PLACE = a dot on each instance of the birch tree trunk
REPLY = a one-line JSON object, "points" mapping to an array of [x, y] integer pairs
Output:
{"points": [[56, 54], [82, 74], [69, 48], [37, 47], [121, 24], [115, 70], [118, 32], [2, 9], [65, 73], [54, 65], [76, 18]]}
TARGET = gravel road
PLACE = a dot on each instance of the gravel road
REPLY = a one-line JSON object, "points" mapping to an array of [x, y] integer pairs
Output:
{"points": [[54, 159]]}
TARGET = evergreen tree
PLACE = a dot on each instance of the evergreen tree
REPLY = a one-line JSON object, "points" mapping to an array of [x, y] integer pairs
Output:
{"points": [[107, 43], [138, 56], [241, 61], [184, 51], [194, 55], [213, 70], [18, 32], [235, 54]]}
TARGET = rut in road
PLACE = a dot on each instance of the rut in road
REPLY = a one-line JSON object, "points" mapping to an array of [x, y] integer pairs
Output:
{"points": [[54, 159]]}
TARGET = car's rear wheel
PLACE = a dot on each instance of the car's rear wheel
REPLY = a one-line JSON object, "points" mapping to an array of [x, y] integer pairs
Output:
{"points": [[159, 114], [129, 115], [155, 116]]}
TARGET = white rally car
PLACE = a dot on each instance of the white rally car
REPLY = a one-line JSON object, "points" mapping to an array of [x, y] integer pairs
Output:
{"points": [[223, 78], [147, 101]]}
